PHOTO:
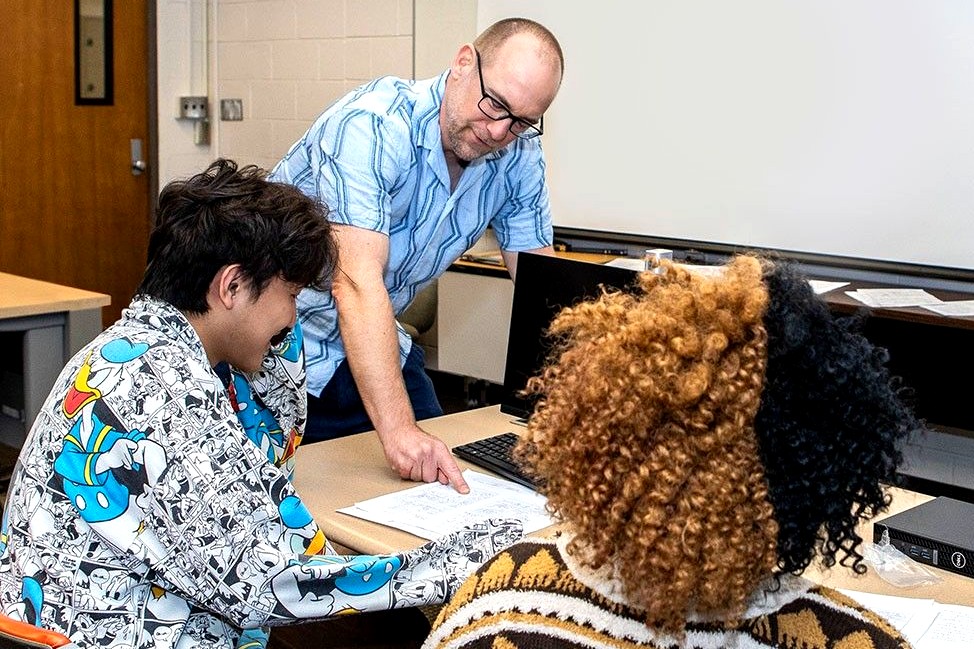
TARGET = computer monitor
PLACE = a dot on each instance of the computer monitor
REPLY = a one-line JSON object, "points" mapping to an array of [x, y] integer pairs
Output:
{"points": [[545, 284]]}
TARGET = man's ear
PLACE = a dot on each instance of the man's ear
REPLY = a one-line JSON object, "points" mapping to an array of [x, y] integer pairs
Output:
{"points": [[227, 286], [464, 61]]}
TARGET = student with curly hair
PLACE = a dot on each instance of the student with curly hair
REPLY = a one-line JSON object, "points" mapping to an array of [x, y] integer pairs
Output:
{"points": [[704, 439]]}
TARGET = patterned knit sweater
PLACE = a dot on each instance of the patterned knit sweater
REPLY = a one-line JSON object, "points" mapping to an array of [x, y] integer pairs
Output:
{"points": [[535, 595]]}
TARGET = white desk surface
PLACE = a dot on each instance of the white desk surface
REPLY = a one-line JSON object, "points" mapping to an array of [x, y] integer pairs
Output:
{"points": [[22, 296], [338, 473]]}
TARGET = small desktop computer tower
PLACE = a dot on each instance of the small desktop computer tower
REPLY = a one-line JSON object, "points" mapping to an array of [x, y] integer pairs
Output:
{"points": [[938, 533]]}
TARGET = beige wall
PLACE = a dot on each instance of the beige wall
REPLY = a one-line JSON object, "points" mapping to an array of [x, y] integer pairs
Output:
{"points": [[289, 59], [181, 63], [440, 27], [286, 59]]}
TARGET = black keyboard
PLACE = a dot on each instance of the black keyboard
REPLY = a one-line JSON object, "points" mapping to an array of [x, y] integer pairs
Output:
{"points": [[494, 454]]}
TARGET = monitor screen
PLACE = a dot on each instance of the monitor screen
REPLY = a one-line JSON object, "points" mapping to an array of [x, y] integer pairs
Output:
{"points": [[544, 285]]}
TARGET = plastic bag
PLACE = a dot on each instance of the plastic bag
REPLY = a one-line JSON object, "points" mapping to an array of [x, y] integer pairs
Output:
{"points": [[894, 566]]}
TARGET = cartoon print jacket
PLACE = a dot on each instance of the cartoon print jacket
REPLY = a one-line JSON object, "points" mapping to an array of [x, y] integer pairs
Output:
{"points": [[152, 504]]}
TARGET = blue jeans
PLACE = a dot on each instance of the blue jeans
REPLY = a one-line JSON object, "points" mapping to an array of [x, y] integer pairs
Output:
{"points": [[339, 410]]}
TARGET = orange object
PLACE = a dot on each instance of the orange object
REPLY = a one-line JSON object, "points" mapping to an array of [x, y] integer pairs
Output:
{"points": [[14, 633]]}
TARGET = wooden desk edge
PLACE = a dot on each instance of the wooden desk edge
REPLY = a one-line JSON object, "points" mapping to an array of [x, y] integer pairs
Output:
{"points": [[23, 296]]}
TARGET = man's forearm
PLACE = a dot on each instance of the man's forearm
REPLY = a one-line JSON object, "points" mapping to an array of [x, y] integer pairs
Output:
{"points": [[372, 346]]}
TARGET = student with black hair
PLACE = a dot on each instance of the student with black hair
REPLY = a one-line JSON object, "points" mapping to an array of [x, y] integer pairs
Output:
{"points": [[152, 504]]}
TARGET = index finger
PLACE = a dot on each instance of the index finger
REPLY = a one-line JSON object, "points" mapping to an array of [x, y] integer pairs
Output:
{"points": [[448, 465]]}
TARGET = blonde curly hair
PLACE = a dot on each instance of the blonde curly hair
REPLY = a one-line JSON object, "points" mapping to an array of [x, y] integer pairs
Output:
{"points": [[643, 437]]}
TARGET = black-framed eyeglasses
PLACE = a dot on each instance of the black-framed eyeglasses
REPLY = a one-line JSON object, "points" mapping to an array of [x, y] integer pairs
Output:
{"points": [[497, 111]]}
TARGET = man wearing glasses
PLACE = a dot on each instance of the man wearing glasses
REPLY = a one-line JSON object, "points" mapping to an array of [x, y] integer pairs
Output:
{"points": [[414, 172]]}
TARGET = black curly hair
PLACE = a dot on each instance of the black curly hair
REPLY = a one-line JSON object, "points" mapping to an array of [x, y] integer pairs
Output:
{"points": [[829, 426]]}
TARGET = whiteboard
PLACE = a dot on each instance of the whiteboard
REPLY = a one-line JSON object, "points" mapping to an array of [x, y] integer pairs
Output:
{"points": [[838, 127]]}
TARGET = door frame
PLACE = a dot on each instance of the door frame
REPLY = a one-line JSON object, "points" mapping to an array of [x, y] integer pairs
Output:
{"points": [[152, 105]]}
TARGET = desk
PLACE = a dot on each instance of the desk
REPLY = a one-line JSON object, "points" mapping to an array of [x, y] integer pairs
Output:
{"points": [[337, 473], [41, 326]]}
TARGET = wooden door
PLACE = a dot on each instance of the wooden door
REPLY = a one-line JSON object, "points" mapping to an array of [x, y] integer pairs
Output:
{"points": [[71, 211]]}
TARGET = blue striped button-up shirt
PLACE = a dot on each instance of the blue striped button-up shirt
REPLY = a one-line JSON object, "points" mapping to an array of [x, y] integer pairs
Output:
{"points": [[375, 158]]}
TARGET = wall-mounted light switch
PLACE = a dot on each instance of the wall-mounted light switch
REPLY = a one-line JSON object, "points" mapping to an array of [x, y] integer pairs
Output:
{"points": [[231, 110]]}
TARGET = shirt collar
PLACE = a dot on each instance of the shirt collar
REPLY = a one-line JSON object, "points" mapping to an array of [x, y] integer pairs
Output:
{"points": [[426, 122], [160, 315], [770, 596]]}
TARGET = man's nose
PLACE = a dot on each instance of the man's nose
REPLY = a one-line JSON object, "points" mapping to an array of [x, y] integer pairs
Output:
{"points": [[500, 129]]}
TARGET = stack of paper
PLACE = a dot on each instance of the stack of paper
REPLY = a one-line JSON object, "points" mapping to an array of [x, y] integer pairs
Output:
{"points": [[893, 297], [432, 510], [821, 286]]}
